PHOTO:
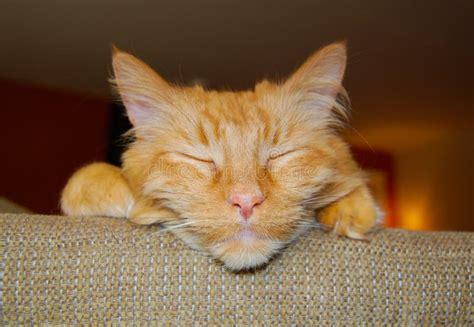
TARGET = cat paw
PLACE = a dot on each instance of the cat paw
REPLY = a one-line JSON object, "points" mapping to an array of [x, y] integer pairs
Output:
{"points": [[351, 216]]}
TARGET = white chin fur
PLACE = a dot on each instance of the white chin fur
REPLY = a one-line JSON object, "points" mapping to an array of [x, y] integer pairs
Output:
{"points": [[244, 251], [244, 254]]}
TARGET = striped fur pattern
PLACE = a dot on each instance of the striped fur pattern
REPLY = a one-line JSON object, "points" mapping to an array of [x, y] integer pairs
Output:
{"points": [[192, 148]]}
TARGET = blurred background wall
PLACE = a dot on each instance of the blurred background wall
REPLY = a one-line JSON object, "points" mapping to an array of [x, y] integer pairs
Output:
{"points": [[410, 77]]}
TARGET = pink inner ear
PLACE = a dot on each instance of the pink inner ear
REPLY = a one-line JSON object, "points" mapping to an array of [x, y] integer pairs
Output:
{"points": [[138, 110], [322, 73], [142, 90], [333, 67], [324, 89], [325, 77]]}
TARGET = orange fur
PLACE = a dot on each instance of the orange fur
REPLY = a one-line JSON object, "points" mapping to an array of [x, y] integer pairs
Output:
{"points": [[193, 148], [116, 198]]}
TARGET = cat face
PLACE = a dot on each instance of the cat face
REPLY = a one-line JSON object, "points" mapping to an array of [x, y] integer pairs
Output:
{"points": [[241, 173]]}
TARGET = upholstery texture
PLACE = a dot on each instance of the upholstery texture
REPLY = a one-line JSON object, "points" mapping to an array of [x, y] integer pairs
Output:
{"points": [[65, 270]]}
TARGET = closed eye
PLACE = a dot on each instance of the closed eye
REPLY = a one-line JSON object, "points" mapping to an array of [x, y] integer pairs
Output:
{"points": [[207, 161], [276, 154], [195, 158]]}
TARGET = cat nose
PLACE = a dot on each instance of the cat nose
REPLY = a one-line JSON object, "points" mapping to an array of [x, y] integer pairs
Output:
{"points": [[246, 202]]}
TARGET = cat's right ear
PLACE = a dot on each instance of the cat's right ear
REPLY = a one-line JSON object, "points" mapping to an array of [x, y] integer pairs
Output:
{"points": [[317, 86], [142, 90]]}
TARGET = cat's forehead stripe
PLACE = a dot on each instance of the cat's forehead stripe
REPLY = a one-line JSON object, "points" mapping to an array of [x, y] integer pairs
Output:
{"points": [[202, 134], [212, 120], [240, 111]]}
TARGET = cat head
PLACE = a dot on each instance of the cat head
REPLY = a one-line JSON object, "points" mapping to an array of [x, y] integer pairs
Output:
{"points": [[241, 173]]}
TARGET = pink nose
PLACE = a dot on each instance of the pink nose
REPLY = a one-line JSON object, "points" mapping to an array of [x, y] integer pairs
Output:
{"points": [[246, 203]]}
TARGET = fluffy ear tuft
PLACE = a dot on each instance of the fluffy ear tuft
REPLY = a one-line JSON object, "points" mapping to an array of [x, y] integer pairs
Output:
{"points": [[318, 81], [141, 89]]}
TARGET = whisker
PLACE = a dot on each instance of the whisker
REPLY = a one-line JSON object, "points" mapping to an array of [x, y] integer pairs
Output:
{"points": [[178, 225]]}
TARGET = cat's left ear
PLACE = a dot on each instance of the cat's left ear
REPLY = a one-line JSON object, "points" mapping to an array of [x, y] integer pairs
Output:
{"points": [[318, 81], [144, 93]]}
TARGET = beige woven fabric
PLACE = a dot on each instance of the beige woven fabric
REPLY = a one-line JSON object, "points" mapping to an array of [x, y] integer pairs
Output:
{"points": [[58, 270]]}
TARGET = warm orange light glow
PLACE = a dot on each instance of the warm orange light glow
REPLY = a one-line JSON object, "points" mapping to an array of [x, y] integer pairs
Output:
{"points": [[414, 216]]}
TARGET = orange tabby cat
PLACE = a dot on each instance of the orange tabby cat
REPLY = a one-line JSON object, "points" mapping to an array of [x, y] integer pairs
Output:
{"points": [[236, 174]]}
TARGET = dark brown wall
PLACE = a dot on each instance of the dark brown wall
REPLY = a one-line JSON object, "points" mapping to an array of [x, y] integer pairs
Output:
{"points": [[45, 135]]}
